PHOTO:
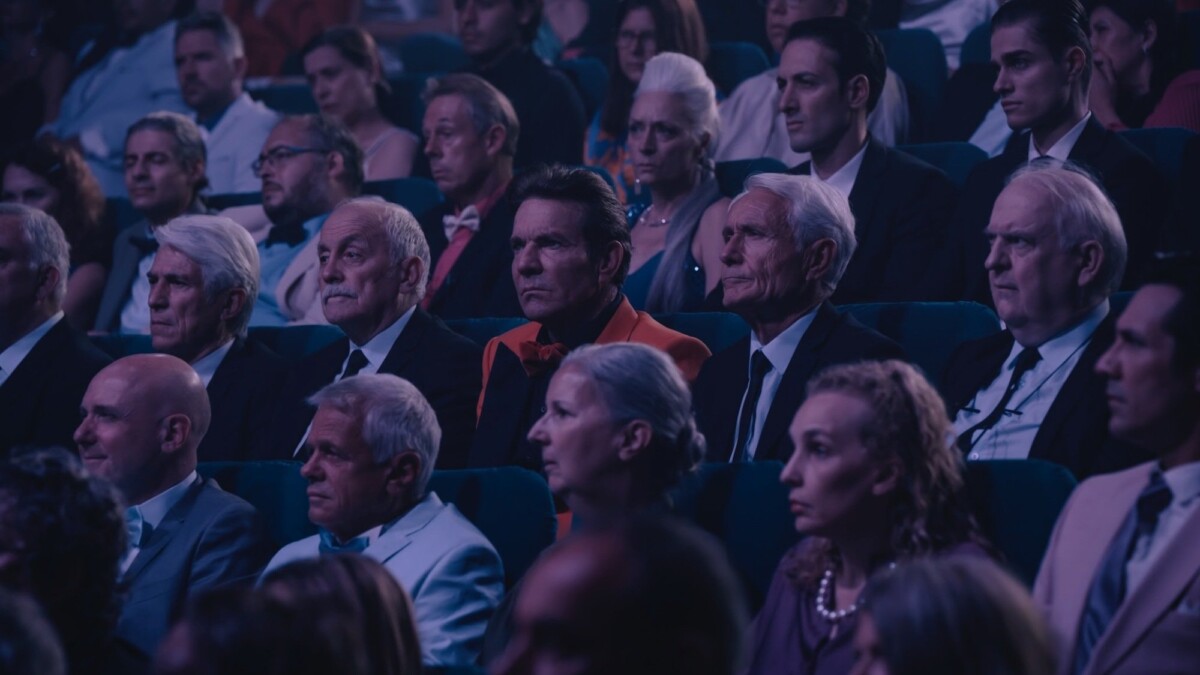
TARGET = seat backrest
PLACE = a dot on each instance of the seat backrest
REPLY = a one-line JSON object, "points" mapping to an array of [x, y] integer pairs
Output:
{"points": [[430, 52], [1017, 503], [732, 175], [745, 507], [289, 98], [480, 331], [977, 48], [119, 346], [919, 59], [296, 342], [955, 158], [1164, 146], [717, 330], [120, 212], [275, 488], [729, 63], [928, 331], [419, 195], [511, 506], [231, 199], [590, 77]]}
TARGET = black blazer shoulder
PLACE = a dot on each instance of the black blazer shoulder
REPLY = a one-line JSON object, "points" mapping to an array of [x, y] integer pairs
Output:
{"points": [[242, 394], [480, 282]]}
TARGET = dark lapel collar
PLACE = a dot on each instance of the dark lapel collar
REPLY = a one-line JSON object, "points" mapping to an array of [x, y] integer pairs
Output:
{"points": [[408, 343], [35, 365], [507, 394], [1090, 143], [867, 185], [161, 536], [1080, 389], [982, 365], [226, 375]]}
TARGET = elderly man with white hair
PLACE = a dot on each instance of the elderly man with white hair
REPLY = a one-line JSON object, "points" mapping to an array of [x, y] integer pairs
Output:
{"points": [[371, 449], [788, 240], [1057, 251], [203, 283], [45, 365]]}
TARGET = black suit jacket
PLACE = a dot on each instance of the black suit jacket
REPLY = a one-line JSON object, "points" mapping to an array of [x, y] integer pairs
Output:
{"points": [[442, 364], [480, 283], [833, 337], [902, 208], [1075, 430], [242, 393], [39, 402], [1136, 187]]}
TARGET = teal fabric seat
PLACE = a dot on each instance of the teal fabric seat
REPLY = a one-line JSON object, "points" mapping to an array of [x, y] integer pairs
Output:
{"points": [[917, 56], [977, 48], [590, 77], [119, 346], [275, 488], [955, 158], [717, 330], [418, 195], [432, 52], [231, 199], [296, 342], [1164, 146], [480, 331], [730, 63], [289, 98], [732, 175]]}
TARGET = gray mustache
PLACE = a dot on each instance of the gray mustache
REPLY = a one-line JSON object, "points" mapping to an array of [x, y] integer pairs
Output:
{"points": [[336, 290]]}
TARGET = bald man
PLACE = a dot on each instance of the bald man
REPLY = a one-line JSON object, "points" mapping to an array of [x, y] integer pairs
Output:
{"points": [[143, 418]]}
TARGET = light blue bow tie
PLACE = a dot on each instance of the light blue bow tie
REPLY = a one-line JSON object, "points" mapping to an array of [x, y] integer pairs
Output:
{"points": [[329, 544]]}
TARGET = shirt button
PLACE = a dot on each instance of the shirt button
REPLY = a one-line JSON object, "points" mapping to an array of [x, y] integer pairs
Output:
{"points": [[543, 409], [973, 455]]}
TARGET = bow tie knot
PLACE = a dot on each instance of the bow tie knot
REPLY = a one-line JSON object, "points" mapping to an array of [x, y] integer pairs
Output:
{"points": [[329, 544], [467, 218], [538, 358]]}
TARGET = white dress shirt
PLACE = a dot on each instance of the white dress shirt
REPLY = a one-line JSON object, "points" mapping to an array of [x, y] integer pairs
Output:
{"points": [[843, 179], [206, 366], [1012, 435], [779, 352], [1061, 150], [135, 315], [1184, 482], [12, 357], [153, 511]]}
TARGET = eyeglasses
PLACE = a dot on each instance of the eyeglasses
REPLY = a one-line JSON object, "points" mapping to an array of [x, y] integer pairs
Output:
{"points": [[626, 39], [278, 155]]}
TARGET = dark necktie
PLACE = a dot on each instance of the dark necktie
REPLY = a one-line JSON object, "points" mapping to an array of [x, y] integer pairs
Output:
{"points": [[760, 365], [1025, 362], [1108, 587], [357, 362], [329, 544]]}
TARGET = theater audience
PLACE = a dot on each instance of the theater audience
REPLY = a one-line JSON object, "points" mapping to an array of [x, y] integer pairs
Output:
{"points": [[210, 63], [787, 242], [143, 418], [29, 642], [45, 364], [34, 72], [952, 615], [371, 450], [470, 138], [753, 126], [346, 77], [641, 597], [48, 175], [1118, 581], [63, 537], [831, 72], [121, 77], [373, 263], [1031, 391], [1139, 79], [950, 20], [570, 245], [872, 483], [360, 589], [165, 163], [497, 35], [308, 165], [676, 236], [1044, 63], [645, 28], [203, 283]]}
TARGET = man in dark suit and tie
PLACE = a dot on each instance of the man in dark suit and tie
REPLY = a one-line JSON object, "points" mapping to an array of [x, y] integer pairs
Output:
{"points": [[831, 73], [1030, 391], [1120, 582], [45, 365], [203, 283], [143, 418], [471, 136], [788, 239], [374, 263]]}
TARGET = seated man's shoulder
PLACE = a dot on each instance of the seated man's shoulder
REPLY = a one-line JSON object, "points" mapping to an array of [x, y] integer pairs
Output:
{"points": [[863, 342]]}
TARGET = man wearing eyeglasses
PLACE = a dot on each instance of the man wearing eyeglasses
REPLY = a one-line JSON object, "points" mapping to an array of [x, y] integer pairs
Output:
{"points": [[308, 165]]}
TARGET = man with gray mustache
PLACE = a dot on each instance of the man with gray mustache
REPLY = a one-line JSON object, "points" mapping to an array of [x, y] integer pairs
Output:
{"points": [[373, 262]]}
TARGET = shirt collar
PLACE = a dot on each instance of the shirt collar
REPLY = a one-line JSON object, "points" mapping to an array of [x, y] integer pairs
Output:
{"points": [[1184, 481], [843, 179], [206, 366], [1062, 149], [485, 205], [780, 350], [377, 348], [12, 357], [1061, 347], [156, 508], [586, 332]]}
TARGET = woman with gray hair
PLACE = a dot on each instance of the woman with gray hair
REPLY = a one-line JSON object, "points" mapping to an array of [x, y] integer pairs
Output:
{"points": [[676, 236]]}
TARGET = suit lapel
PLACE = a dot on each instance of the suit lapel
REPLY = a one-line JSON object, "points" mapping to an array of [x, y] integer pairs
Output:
{"points": [[621, 326], [405, 348], [401, 534], [162, 535], [981, 366], [730, 380], [223, 380], [507, 393], [1077, 390], [867, 185], [1090, 142]]}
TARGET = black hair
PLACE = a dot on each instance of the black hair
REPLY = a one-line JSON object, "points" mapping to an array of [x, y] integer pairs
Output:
{"points": [[1058, 25], [858, 51]]}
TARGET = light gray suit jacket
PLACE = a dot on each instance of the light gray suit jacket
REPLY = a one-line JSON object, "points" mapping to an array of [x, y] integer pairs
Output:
{"points": [[1157, 628], [209, 539], [450, 570]]}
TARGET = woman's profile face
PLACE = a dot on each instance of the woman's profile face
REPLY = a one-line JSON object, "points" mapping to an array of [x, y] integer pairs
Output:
{"points": [[339, 87], [580, 441], [663, 148], [868, 653], [637, 42], [1117, 44], [22, 186], [836, 485]]}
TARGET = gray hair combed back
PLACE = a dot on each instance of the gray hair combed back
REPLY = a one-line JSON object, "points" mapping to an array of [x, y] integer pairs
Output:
{"points": [[815, 211], [225, 253], [683, 76], [489, 106], [405, 237], [48, 245], [189, 143], [1082, 212], [395, 417], [639, 382]]}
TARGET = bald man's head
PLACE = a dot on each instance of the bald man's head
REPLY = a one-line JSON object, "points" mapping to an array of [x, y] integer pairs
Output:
{"points": [[143, 418]]}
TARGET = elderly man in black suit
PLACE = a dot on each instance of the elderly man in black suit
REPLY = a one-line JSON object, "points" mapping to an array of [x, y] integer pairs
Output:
{"points": [[374, 264], [143, 418], [1031, 391], [203, 283], [45, 365], [831, 73], [788, 240]]}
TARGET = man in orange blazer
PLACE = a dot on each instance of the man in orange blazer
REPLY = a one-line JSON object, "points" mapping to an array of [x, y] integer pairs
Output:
{"points": [[571, 252], [1121, 579]]}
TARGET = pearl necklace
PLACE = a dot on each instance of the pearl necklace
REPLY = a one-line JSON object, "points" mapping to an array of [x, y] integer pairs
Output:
{"points": [[648, 221], [825, 598]]}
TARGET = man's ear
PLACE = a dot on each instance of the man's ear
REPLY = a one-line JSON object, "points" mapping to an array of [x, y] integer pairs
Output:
{"points": [[235, 301], [494, 139], [48, 278], [818, 258], [635, 437], [239, 68], [402, 472], [174, 432], [1149, 35], [610, 261], [337, 165], [412, 273], [1091, 259], [195, 172], [858, 91], [1076, 60]]}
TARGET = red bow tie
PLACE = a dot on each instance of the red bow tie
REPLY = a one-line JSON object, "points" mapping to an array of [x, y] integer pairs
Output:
{"points": [[538, 358]]}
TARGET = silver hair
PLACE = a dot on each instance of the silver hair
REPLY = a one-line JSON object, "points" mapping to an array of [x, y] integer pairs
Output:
{"points": [[1082, 212], [815, 211], [403, 232], [682, 75], [225, 253], [395, 416], [488, 105], [189, 143], [223, 29], [639, 382], [48, 245]]}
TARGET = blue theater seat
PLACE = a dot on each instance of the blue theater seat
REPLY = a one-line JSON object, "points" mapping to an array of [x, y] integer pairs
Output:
{"points": [[731, 63], [919, 59]]}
